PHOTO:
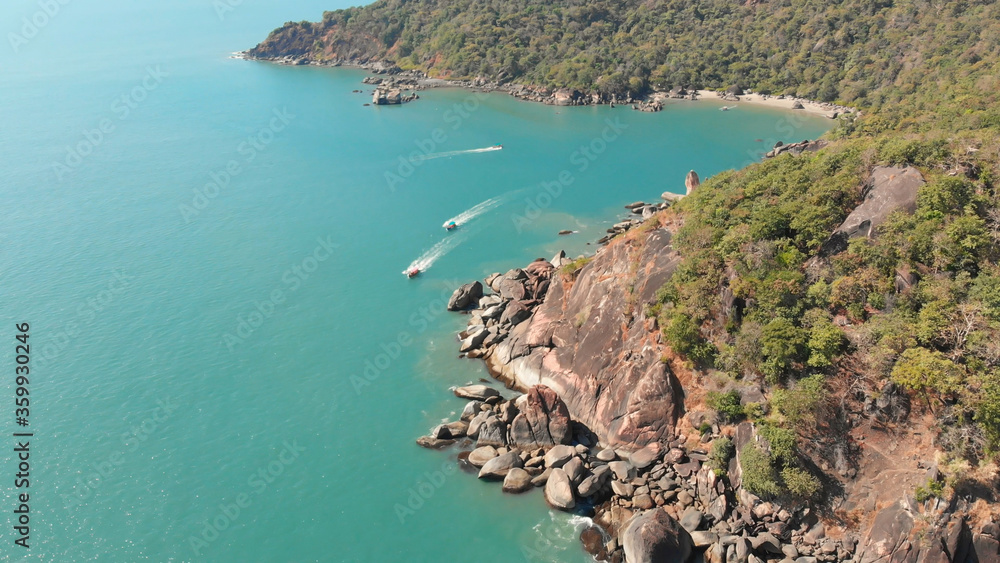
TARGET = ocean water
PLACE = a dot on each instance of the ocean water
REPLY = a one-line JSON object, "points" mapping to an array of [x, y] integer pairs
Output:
{"points": [[226, 362]]}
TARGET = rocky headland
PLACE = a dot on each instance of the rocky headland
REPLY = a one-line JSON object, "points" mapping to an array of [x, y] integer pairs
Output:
{"points": [[603, 419]]}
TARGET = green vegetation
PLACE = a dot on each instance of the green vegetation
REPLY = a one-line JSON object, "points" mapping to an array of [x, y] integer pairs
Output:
{"points": [[718, 458], [772, 468], [574, 266], [933, 489], [727, 405], [913, 58]]}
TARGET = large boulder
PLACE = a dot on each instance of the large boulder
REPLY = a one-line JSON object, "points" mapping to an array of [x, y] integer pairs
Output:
{"points": [[464, 296], [559, 490], [480, 456], [476, 392], [498, 467], [888, 535], [543, 421], [516, 481], [888, 189], [654, 537]]}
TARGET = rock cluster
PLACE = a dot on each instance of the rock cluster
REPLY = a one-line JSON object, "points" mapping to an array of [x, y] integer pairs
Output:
{"points": [[382, 97], [903, 533], [728, 525], [515, 295], [648, 105], [795, 148], [662, 502], [643, 210]]}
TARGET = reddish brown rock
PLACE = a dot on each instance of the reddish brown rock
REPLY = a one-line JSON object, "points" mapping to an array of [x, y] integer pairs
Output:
{"points": [[543, 421], [591, 343]]}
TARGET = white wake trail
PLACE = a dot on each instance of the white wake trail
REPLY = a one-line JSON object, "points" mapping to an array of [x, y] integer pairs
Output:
{"points": [[434, 155], [428, 258], [475, 211]]}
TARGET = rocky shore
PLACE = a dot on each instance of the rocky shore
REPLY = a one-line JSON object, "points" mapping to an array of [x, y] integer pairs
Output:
{"points": [[392, 78], [597, 419]]}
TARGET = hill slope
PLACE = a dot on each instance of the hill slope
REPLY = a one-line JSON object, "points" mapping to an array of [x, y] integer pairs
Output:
{"points": [[911, 56]]}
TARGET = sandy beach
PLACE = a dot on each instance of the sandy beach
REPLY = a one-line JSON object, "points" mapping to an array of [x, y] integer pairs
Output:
{"points": [[818, 108]]}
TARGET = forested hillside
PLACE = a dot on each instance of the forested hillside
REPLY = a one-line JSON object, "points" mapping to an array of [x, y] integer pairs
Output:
{"points": [[912, 57]]}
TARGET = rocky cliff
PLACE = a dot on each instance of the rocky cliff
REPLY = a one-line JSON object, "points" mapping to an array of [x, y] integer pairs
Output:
{"points": [[585, 335]]}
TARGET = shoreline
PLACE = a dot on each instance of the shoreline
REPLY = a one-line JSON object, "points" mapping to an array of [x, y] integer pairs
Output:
{"points": [[393, 77], [823, 109]]}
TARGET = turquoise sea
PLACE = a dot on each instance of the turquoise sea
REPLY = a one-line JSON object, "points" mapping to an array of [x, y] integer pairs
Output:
{"points": [[226, 362]]}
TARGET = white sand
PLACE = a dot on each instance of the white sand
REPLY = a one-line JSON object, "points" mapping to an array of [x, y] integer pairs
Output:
{"points": [[809, 106]]}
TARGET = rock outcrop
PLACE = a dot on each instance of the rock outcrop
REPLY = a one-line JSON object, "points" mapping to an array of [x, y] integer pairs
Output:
{"points": [[543, 421], [888, 189], [895, 537], [604, 364], [691, 181]]}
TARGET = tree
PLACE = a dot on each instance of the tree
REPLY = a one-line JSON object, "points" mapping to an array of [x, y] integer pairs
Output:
{"points": [[927, 372], [782, 344], [988, 410], [798, 405]]}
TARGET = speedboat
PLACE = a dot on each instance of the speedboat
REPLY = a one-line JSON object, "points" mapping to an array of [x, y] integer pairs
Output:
{"points": [[498, 145], [413, 272], [451, 225]]}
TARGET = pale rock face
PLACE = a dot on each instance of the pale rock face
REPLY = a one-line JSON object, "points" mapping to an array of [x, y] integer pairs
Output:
{"points": [[691, 181]]}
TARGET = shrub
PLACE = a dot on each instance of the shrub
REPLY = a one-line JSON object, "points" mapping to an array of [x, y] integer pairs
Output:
{"points": [[684, 336], [718, 458], [798, 405], [800, 482], [782, 344], [927, 372], [988, 411], [726, 404], [781, 442], [759, 476]]}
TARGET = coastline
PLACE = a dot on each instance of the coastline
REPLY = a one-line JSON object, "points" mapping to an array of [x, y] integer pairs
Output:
{"points": [[779, 102], [394, 77]]}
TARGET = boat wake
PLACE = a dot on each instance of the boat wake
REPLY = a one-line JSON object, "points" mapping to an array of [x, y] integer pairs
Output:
{"points": [[427, 259], [434, 155], [476, 210]]}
